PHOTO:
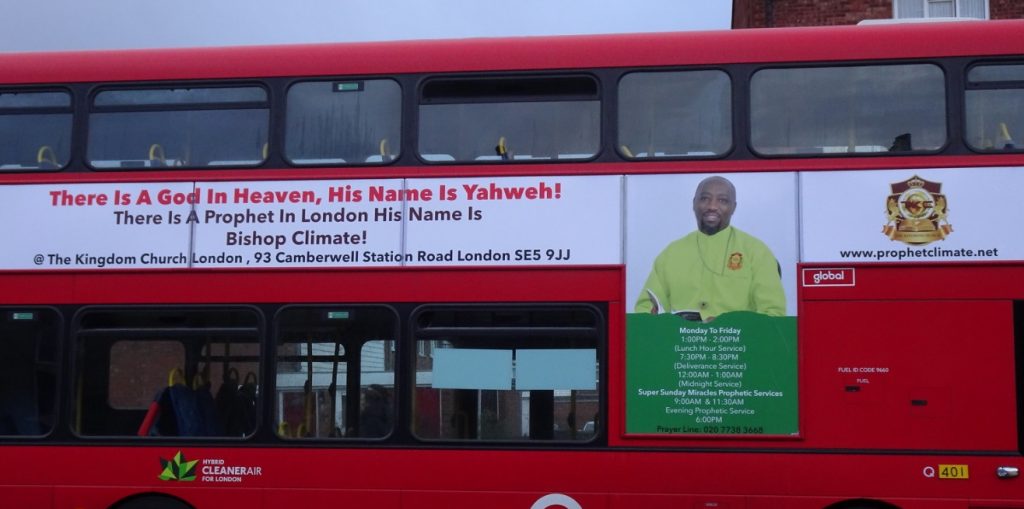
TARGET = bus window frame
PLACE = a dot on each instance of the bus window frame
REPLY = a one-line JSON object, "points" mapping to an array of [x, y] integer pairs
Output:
{"points": [[273, 340], [977, 86], [75, 367], [948, 92], [269, 104], [59, 342], [591, 74], [71, 109], [734, 117], [599, 333], [281, 117]]}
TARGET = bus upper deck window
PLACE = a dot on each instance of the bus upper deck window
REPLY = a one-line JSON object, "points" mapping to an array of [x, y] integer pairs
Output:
{"points": [[36, 130], [848, 110], [994, 108], [505, 119], [675, 114], [345, 122], [178, 127]]}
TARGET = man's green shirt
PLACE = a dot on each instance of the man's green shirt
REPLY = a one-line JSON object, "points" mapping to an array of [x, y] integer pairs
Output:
{"points": [[714, 274]]}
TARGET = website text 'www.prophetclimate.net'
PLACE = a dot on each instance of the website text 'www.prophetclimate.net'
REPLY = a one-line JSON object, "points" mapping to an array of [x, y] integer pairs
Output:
{"points": [[919, 253]]}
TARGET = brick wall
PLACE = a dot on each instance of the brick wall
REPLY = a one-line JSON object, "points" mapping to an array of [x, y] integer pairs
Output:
{"points": [[1005, 9], [791, 13]]}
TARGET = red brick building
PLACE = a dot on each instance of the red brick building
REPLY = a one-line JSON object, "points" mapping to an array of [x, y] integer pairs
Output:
{"points": [[790, 13]]}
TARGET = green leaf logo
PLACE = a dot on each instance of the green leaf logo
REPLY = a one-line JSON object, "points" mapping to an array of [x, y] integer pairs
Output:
{"points": [[178, 469]]}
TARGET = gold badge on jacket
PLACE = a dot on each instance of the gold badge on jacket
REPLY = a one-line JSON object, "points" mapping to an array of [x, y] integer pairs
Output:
{"points": [[916, 211], [735, 261]]}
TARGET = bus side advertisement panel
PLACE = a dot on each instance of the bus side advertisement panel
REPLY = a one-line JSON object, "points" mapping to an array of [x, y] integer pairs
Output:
{"points": [[349, 223], [711, 303], [923, 215]]}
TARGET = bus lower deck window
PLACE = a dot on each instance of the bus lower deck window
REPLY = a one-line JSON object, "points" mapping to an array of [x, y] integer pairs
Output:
{"points": [[335, 372], [167, 372], [506, 375], [28, 371]]}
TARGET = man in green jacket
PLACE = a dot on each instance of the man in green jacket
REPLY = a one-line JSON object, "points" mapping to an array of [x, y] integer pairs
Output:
{"points": [[717, 268]]}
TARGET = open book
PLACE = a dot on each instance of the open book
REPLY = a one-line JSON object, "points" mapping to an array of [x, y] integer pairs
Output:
{"points": [[688, 314]]}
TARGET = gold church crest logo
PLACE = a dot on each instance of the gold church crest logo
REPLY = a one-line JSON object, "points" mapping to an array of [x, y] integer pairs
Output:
{"points": [[916, 211]]}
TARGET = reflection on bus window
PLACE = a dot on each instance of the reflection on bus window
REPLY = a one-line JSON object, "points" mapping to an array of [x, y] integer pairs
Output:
{"points": [[507, 374], [28, 371], [848, 110], [36, 130], [167, 373], [675, 114], [335, 372], [994, 107], [509, 119], [187, 127], [343, 122]]}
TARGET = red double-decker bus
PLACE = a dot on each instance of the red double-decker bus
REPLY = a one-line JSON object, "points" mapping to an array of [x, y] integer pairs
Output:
{"points": [[760, 269]]}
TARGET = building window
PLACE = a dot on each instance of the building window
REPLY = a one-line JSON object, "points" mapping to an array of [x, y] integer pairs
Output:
{"points": [[908, 9]]}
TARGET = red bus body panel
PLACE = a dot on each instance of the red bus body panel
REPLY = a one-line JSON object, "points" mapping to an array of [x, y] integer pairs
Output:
{"points": [[910, 368]]}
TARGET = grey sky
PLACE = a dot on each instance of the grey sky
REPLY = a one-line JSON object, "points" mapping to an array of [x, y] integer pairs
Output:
{"points": [[28, 25]]}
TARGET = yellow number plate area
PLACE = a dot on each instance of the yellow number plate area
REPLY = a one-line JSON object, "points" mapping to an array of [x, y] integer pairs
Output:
{"points": [[953, 472]]}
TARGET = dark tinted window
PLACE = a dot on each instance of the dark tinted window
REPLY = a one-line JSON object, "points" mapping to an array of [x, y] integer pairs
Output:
{"points": [[509, 119], [28, 370]]}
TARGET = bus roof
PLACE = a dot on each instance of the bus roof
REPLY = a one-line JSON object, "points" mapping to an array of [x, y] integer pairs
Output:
{"points": [[902, 41]]}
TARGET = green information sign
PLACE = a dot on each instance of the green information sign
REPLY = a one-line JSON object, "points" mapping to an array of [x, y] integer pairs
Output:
{"points": [[733, 376]]}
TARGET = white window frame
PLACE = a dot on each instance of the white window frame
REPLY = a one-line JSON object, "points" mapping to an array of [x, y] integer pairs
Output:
{"points": [[923, 4]]}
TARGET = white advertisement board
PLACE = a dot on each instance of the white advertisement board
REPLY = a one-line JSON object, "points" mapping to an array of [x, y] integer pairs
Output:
{"points": [[963, 214], [299, 224], [314, 223], [953, 214], [63, 226], [517, 221]]}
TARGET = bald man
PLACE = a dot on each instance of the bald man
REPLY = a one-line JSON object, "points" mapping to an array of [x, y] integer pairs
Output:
{"points": [[717, 268]]}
